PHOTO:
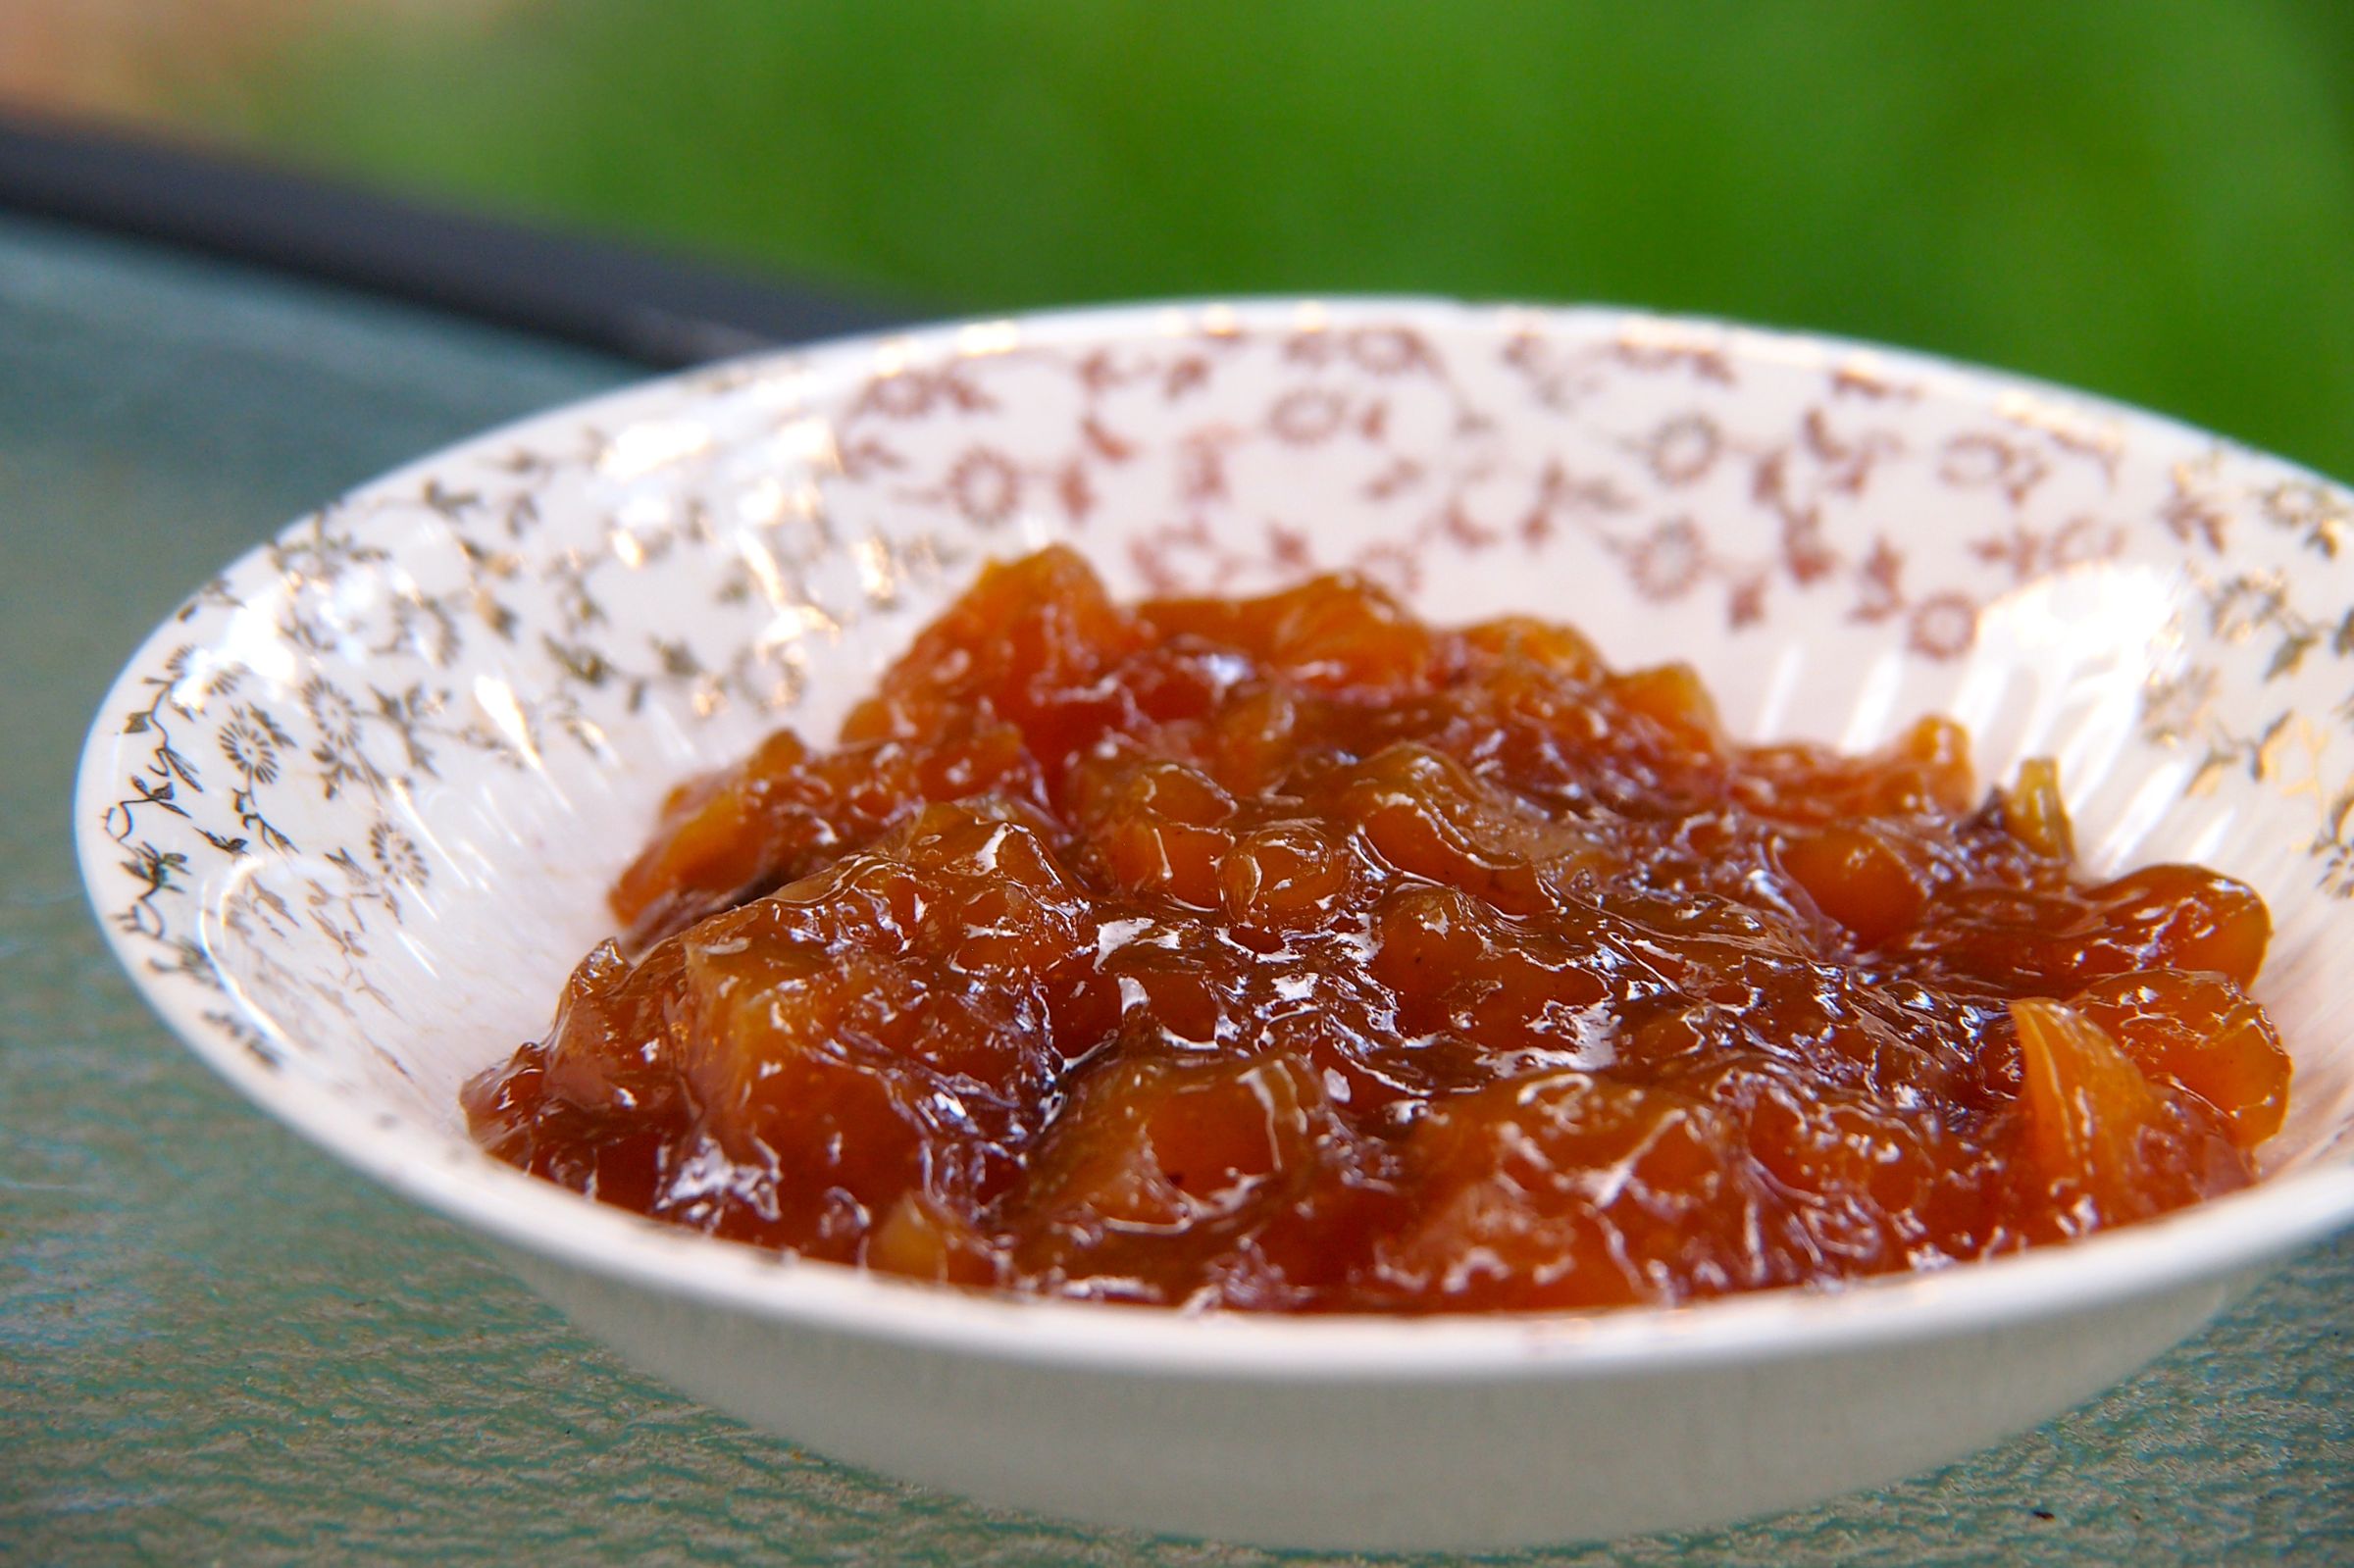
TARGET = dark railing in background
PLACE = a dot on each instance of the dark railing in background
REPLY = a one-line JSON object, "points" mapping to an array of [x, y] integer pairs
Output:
{"points": [[626, 299]]}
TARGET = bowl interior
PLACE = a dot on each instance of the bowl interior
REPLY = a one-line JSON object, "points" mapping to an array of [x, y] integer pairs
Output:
{"points": [[349, 816]]}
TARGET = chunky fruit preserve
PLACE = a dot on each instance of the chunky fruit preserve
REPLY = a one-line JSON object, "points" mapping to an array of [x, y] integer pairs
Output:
{"points": [[1290, 955]]}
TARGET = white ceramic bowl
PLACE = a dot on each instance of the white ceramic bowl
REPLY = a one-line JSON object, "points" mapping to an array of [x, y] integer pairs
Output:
{"points": [[349, 817]]}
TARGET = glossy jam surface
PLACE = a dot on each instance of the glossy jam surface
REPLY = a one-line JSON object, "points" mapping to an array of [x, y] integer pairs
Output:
{"points": [[1289, 954]]}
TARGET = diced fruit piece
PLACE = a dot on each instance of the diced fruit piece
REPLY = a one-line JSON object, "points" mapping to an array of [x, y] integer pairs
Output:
{"points": [[1937, 753], [1257, 739], [1558, 648], [1332, 634], [1156, 826], [714, 841], [1858, 879], [2202, 1031], [2183, 917], [920, 1238], [1027, 643], [783, 814], [1458, 967], [1571, 1190], [1158, 1146], [1283, 873], [2035, 811], [1426, 815], [2088, 1107], [1672, 695]]}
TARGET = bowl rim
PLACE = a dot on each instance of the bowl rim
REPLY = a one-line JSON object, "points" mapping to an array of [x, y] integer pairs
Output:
{"points": [[2210, 1242]]}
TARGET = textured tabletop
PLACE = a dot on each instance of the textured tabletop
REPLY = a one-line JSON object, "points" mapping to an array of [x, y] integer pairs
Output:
{"points": [[216, 1346]]}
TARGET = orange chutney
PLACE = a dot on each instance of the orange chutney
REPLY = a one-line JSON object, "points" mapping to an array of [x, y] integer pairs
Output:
{"points": [[1289, 954]]}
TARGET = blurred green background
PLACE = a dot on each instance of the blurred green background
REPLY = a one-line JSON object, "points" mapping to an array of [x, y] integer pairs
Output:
{"points": [[2152, 199]]}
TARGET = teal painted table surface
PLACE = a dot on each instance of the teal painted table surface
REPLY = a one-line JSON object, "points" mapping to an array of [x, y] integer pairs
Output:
{"points": [[215, 1345]]}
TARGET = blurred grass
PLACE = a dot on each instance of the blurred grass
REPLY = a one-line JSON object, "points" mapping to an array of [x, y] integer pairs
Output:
{"points": [[2153, 199]]}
